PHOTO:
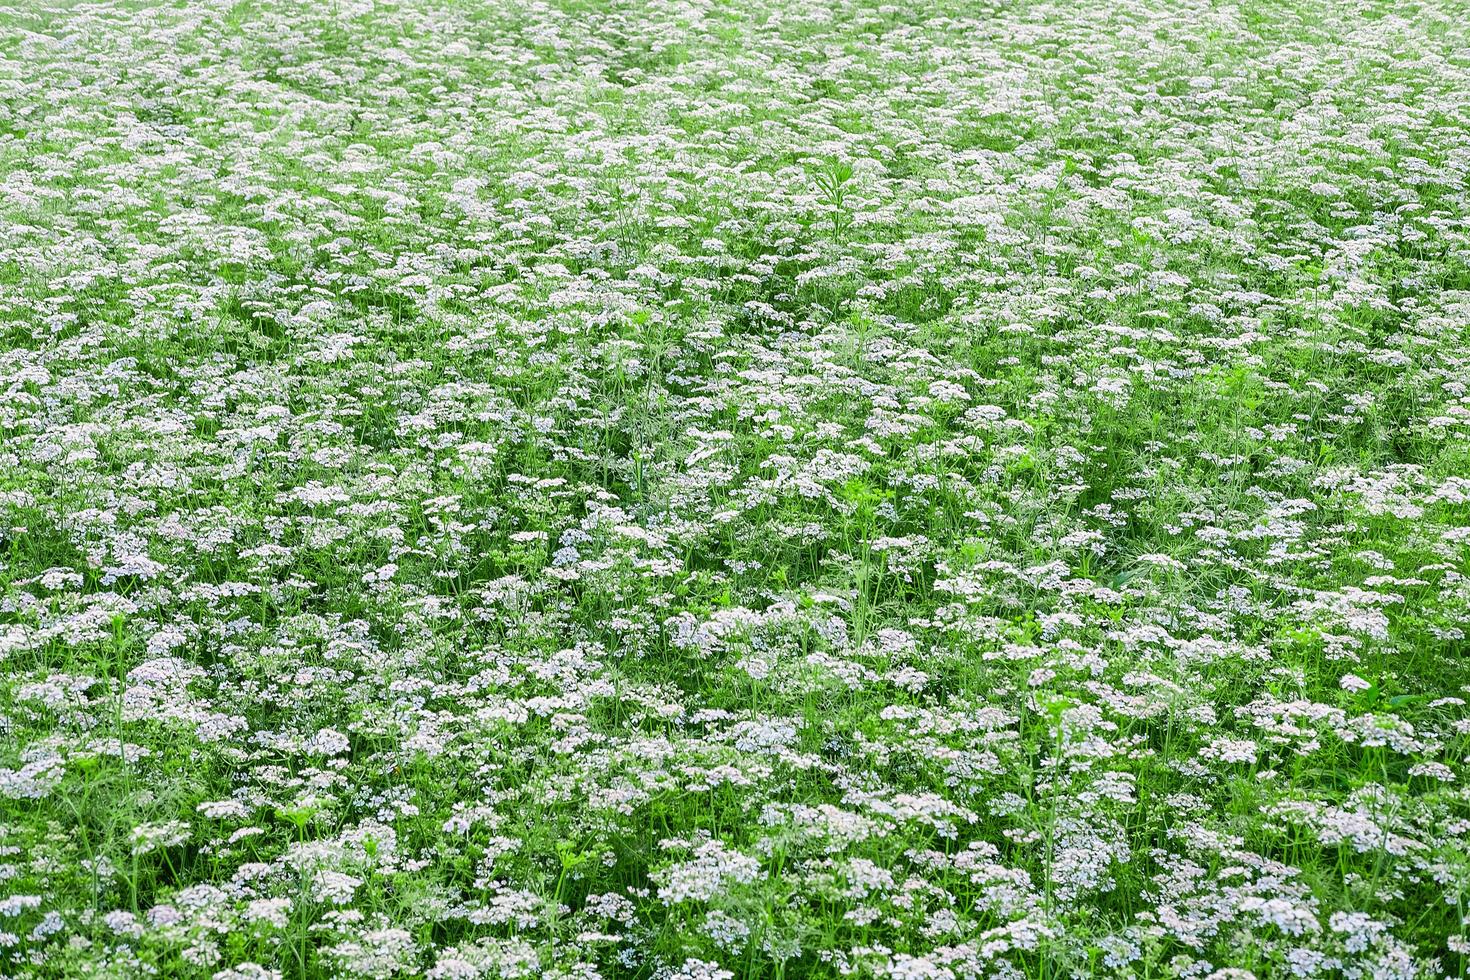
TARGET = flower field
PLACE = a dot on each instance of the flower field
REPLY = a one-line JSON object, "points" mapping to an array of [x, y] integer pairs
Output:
{"points": [[733, 489]]}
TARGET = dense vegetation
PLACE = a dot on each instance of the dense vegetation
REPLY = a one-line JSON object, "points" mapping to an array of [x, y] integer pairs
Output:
{"points": [[734, 488]]}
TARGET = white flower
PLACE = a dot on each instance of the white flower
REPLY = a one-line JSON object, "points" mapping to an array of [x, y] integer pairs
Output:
{"points": [[693, 969], [274, 912], [224, 809], [706, 875], [334, 887], [327, 741], [1230, 750], [123, 923], [248, 971]]}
